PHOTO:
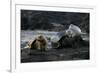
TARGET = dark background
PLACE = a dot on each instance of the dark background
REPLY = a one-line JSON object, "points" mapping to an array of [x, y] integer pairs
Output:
{"points": [[43, 20]]}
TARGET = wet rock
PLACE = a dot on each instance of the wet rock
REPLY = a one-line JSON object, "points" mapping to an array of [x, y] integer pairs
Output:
{"points": [[72, 42]]}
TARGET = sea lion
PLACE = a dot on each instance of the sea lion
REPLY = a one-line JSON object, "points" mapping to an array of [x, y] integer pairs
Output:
{"points": [[39, 43]]}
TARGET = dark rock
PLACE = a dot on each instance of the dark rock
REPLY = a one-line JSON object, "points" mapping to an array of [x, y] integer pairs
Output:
{"points": [[72, 42]]}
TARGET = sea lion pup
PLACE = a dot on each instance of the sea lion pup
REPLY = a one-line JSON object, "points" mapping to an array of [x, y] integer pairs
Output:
{"points": [[40, 43]]}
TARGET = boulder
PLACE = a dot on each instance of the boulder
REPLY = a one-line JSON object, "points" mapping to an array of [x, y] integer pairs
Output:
{"points": [[71, 42]]}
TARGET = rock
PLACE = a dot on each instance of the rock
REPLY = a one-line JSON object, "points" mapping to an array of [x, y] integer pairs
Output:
{"points": [[71, 42]]}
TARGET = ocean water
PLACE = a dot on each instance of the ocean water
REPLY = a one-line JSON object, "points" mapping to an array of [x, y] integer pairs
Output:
{"points": [[51, 54]]}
